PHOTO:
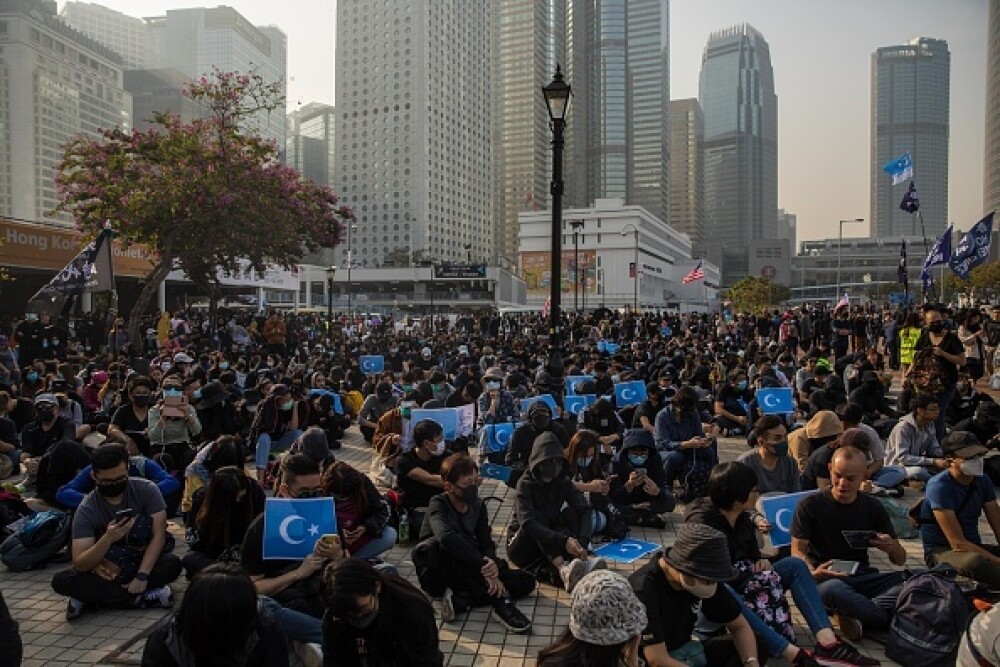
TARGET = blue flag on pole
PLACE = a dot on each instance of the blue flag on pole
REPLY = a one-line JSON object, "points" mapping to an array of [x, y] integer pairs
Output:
{"points": [[900, 169], [629, 393], [374, 363], [578, 403], [911, 202], [775, 401], [548, 400], [939, 254], [973, 249], [498, 436], [293, 526], [447, 417], [574, 380]]}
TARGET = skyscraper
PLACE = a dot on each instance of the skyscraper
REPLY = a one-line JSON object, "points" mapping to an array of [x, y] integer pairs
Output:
{"points": [[991, 169], [619, 67], [55, 83], [194, 41], [123, 34], [413, 128], [310, 142], [736, 91], [687, 171], [910, 99], [529, 39]]}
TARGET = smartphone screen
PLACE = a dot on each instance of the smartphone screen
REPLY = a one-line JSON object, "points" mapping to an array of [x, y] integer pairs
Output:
{"points": [[844, 566]]}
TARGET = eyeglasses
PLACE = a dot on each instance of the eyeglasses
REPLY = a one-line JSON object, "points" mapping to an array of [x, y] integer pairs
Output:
{"points": [[112, 482], [309, 493]]}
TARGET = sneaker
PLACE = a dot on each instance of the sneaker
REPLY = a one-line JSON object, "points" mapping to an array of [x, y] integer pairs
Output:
{"points": [[447, 606], [804, 659], [507, 613], [655, 521], [311, 655], [594, 564], [73, 609], [842, 654], [572, 573], [849, 626], [877, 490], [158, 597]]}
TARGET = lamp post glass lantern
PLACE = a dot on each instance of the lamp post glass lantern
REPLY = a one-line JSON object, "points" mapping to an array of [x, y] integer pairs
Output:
{"points": [[557, 96]]}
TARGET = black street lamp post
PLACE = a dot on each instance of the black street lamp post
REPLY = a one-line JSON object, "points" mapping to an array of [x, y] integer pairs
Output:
{"points": [[576, 225], [330, 271], [557, 95]]}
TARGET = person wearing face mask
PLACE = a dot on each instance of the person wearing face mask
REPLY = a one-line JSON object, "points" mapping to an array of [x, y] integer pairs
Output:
{"points": [[41, 435], [605, 625], [98, 577], [130, 421], [732, 404], [521, 443], [456, 558], [495, 405], [949, 353], [681, 440], [418, 471], [954, 501], [376, 405], [871, 396], [639, 488], [276, 425], [967, 397], [376, 618], [776, 471], [602, 419], [555, 521], [674, 585], [170, 436], [645, 414]]}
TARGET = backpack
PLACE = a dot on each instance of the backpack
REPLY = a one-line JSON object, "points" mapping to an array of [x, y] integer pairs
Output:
{"points": [[13, 513], [931, 614], [694, 482], [38, 541]]}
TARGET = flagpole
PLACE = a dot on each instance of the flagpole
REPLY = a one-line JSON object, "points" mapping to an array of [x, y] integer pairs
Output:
{"points": [[927, 250]]}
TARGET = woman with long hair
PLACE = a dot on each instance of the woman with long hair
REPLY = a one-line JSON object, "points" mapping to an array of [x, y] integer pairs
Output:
{"points": [[221, 516], [376, 618], [362, 513], [589, 477], [219, 624]]}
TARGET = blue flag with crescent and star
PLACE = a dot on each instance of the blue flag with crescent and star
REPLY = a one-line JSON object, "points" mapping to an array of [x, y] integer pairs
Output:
{"points": [[973, 249], [578, 402], [629, 393], [775, 401], [371, 363], [900, 169], [498, 436], [939, 254], [292, 526], [545, 398]]}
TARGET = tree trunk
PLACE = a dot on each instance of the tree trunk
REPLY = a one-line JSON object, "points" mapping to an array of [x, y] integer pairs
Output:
{"points": [[153, 280], [214, 294]]}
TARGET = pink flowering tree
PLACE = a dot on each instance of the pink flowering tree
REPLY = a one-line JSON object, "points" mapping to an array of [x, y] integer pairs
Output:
{"points": [[203, 195]]}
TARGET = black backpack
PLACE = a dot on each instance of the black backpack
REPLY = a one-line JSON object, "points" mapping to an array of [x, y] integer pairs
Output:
{"points": [[931, 615], [37, 542]]}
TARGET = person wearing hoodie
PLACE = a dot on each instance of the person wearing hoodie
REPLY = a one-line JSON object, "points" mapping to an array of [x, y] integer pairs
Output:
{"points": [[376, 405], [539, 421], [639, 480], [822, 427], [913, 442], [555, 521], [601, 418]]}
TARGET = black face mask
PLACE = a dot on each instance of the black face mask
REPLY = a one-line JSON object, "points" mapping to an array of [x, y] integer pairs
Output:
{"points": [[46, 414], [936, 327], [549, 470], [540, 423], [112, 490], [141, 401], [363, 622], [470, 494], [384, 397]]}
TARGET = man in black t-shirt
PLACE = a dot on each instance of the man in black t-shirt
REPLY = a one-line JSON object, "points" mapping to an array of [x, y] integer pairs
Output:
{"points": [[732, 403], [820, 536], [418, 471], [39, 436], [676, 585]]}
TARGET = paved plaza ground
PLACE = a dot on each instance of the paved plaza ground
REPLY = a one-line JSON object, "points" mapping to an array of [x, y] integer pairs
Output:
{"points": [[117, 638]]}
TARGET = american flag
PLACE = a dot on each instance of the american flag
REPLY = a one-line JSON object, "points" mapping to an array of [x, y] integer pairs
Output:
{"points": [[696, 274]]}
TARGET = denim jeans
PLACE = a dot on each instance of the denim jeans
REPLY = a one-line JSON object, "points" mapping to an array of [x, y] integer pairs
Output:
{"points": [[15, 458], [677, 461], [265, 444], [944, 399], [297, 626], [377, 546], [919, 473], [889, 476], [869, 596]]}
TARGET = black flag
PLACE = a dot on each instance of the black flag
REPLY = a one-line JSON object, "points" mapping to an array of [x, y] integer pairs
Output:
{"points": [[90, 271], [910, 203]]}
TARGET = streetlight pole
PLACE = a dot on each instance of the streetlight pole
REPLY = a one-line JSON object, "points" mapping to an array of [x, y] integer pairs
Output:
{"points": [[330, 271], [840, 252], [557, 96], [576, 225], [600, 283], [350, 286], [635, 265]]}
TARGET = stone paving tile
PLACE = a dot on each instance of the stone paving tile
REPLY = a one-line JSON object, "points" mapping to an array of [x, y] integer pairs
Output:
{"points": [[98, 638]]}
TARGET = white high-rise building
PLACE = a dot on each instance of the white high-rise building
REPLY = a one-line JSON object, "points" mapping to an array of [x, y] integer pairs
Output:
{"points": [[123, 34], [55, 83], [413, 129]]}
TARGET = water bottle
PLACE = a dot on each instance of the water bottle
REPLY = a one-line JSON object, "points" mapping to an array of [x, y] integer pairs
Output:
{"points": [[404, 529]]}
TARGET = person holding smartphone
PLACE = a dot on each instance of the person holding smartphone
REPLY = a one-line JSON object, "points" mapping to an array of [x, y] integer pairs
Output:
{"points": [[639, 480]]}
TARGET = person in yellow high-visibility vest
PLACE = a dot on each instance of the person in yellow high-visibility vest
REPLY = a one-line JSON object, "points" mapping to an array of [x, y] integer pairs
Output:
{"points": [[908, 336]]}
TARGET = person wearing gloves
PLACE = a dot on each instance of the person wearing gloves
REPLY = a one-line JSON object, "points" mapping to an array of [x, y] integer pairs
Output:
{"points": [[495, 405], [638, 488], [555, 521], [954, 501], [606, 621], [456, 558]]}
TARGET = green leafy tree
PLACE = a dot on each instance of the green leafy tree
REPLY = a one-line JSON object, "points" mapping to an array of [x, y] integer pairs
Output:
{"points": [[201, 195], [753, 293], [983, 281]]}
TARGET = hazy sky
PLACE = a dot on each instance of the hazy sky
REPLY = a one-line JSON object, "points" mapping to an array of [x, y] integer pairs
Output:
{"points": [[821, 52]]}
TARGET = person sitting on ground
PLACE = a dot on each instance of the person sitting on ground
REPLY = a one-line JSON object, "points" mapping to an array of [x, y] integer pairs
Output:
{"points": [[495, 405], [954, 501], [217, 408], [555, 521], [362, 512], [913, 443], [220, 622], [980, 644], [776, 471], [591, 479], [315, 444], [822, 427], [376, 405], [732, 404], [871, 396], [967, 399], [376, 618], [539, 421], [890, 478], [131, 420], [122, 514], [646, 413], [985, 424], [170, 437], [418, 471], [219, 518], [456, 558], [601, 418], [733, 493], [388, 441], [73, 492], [639, 488], [682, 442], [323, 415], [224, 451], [867, 598], [606, 621], [816, 474], [41, 435], [674, 585], [275, 426]]}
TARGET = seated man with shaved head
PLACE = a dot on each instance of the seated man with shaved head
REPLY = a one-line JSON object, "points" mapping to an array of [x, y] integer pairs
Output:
{"points": [[841, 524]]}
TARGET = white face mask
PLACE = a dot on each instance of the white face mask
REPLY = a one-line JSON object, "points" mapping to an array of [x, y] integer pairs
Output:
{"points": [[973, 467], [697, 588], [438, 449]]}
